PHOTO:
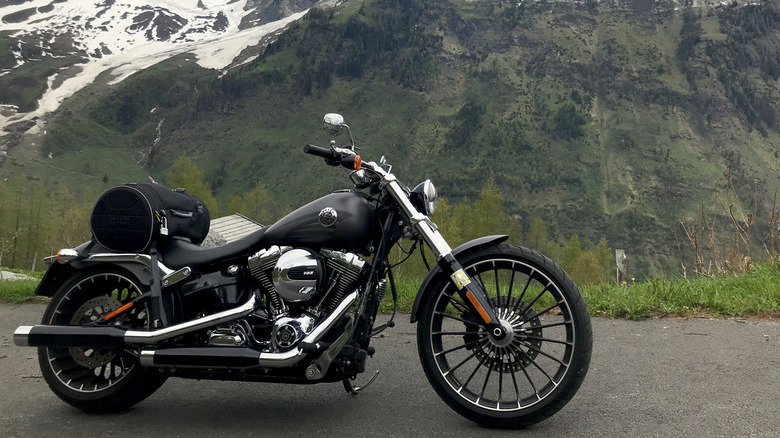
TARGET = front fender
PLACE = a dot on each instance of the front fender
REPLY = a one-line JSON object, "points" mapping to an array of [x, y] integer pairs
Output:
{"points": [[468, 246]]}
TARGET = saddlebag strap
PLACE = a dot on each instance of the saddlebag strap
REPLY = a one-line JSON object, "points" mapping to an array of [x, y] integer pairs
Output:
{"points": [[156, 308]]}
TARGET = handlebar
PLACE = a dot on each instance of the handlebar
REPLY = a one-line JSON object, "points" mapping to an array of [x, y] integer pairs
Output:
{"points": [[335, 158], [328, 154]]}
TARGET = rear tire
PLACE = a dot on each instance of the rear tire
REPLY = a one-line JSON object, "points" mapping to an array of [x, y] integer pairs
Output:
{"points": [[519, 380], [97, 380]]}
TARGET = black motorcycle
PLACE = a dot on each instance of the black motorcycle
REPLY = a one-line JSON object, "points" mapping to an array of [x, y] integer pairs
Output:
{"points": [[503, 333]]}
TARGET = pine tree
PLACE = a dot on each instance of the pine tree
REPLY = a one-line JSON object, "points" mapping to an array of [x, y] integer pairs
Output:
{"points": [[571, 253], [605, 258]]}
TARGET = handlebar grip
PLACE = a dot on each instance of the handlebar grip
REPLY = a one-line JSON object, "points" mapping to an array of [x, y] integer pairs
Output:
{"points": [[320, 152]]}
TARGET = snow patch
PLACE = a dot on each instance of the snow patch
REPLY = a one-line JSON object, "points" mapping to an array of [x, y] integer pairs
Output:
{"points": [[126, 36]]}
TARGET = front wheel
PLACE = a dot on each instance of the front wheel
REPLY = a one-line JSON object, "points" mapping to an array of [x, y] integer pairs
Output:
{"points": [[92, 379], [526, 376]]}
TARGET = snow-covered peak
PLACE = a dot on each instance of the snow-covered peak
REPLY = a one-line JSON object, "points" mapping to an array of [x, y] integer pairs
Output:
{"points": [[106, 27], [126, 36]]}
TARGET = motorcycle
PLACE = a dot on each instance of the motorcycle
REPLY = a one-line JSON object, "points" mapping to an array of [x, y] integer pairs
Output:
{"points": [[503, 333]]}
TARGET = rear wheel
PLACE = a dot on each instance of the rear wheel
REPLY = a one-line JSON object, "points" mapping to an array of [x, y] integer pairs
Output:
{"points": [[92, 379], [526, 376]]}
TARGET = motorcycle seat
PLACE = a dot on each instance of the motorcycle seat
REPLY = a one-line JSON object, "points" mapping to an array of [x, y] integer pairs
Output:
{"points": [[178, 253]]}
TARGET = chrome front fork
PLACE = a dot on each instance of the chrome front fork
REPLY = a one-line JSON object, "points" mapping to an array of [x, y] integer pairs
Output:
{"points": [[470, 291]]}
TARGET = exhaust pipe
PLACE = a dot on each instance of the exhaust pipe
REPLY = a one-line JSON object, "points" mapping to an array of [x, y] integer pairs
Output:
{"points": [[244, 357], [69, 336], [113, 337]]}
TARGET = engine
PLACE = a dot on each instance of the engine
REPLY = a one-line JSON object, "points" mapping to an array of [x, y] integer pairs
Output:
{"points": [[302, 286]]}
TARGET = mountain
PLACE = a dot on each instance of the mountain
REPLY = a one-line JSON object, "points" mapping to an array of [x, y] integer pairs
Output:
{"points": [[57, 47], [615, 119]]}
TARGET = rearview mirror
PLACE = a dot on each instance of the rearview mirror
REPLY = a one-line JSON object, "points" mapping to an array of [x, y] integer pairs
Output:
{"points": [[332, 123]]}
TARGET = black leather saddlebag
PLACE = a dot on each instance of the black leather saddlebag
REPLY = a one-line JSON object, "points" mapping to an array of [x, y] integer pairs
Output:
{"points": [[131, 217]]}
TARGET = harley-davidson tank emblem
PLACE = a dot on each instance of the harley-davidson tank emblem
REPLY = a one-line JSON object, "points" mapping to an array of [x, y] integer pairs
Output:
{"points": [[328, 217]]}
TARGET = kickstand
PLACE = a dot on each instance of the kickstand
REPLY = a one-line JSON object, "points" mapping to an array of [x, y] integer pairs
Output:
{"points": [[355, 390]]}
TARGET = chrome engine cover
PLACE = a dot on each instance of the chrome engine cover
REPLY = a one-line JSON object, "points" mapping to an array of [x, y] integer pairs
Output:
{"points": [[287, 331], [296, 276]]}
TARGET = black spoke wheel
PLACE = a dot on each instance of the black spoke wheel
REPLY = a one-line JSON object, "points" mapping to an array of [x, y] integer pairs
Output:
{"points": [[94, 379], [529, 374]]}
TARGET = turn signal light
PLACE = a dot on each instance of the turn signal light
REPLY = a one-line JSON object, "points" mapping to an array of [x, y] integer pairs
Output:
{"points": [[65, 256]]}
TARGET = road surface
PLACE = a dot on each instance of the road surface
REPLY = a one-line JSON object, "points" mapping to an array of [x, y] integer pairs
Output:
{"points": [[652, 378]]}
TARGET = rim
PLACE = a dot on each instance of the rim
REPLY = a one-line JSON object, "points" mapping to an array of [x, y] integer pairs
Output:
{"points": [[90, 369], [524, 368]]}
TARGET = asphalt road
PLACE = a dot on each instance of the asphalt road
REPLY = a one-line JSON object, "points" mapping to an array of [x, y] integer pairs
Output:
{"points": [[654, 378]]}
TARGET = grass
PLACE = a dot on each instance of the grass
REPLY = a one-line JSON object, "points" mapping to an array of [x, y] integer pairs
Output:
{"points": [[19, 291], [754, 294]]}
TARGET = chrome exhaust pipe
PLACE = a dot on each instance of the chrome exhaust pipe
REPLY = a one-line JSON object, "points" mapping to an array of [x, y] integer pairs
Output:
{"points": [[244, 357], [112, 337], [153, 337]]}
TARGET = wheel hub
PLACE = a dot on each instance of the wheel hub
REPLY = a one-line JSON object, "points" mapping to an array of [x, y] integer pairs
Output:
{"points": [[507, 338], [91, 311], [508, 354]]}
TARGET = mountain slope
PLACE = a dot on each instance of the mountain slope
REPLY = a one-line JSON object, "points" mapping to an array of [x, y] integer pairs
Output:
{"points": [[57, 48], [604, 120]]}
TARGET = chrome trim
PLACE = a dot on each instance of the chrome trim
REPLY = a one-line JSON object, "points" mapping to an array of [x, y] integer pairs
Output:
{"points": [[432, 237], [328, 217], [285, 358], [152, 337], [21, 335], [300, 327], [143, 259], [331, 319], [266, 255], [296, 290], [345, 259], [65, 256], [291, 357], [176, 276], [226, 337], [147, 358]]}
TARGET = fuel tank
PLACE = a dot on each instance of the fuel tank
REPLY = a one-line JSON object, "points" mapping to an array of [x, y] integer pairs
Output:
{"points": [[341, 220]]}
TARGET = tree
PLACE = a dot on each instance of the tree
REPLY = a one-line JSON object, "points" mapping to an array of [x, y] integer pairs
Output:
{"points": [[487, 216], [605, 258], [447, 222], [254, 204], [537, 238], [586, 270], [571, 253], [186, 174]]}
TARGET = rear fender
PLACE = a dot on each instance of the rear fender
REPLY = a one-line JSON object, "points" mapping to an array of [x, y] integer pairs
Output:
{"points": [[91, 255], [53, 278], [436, 271]]}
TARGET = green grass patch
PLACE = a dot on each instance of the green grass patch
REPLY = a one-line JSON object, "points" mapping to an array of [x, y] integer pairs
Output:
{"points": [[19, 291], [752, 294]]}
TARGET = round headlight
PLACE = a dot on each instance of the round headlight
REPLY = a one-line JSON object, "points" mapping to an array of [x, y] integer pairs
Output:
{"points": [[424, 197]]}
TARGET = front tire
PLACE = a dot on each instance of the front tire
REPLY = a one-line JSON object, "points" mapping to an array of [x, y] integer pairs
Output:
{"points": [[91, 379], [523, 378]]}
